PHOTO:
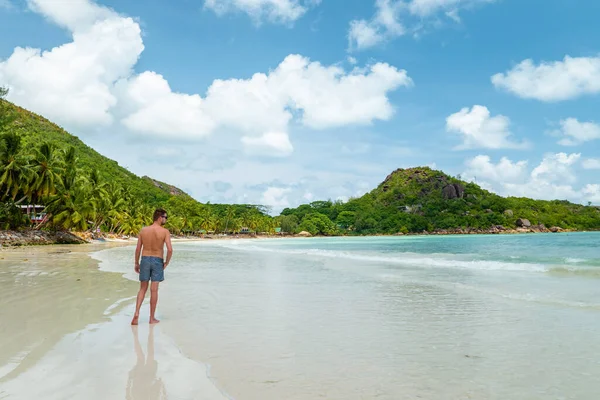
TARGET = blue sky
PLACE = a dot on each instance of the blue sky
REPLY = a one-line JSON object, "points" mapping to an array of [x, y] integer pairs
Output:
{"points": [[285, 101]]}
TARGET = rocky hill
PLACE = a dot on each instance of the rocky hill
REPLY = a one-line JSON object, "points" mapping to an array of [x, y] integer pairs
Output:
{"points": [[425, 200]]}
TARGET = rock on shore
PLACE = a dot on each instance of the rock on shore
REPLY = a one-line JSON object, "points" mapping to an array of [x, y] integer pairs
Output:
{"points": [[498, 229], [33, 237]]}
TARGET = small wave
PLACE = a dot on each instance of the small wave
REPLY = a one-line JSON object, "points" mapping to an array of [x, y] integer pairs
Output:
{"points": [[409, 259], [116, 304], [109, 261], [570, 260]]}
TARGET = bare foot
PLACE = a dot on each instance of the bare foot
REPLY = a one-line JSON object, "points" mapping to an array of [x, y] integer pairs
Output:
{"points": [[134, 321], [154, 321]]}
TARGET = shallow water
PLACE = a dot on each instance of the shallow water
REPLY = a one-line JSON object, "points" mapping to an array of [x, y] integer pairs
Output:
{"points": [[65, 334], [453, 317]]}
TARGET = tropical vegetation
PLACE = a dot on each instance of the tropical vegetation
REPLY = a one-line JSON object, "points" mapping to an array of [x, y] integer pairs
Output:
{"points": [[79, 189], [420, 199]]}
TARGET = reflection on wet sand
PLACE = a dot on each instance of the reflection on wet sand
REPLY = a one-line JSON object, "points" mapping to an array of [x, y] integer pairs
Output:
{"points": [[143, 384]]}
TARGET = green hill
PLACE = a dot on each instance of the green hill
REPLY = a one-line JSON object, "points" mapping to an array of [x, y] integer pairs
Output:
{"points": [[35, 130], [422, 199], [82, 190]]}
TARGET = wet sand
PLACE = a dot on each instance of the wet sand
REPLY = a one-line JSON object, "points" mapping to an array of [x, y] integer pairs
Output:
{"points": [[65, 326]]}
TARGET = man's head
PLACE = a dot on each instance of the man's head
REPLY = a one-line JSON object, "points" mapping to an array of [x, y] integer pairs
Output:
{"points": [[160, 215]]}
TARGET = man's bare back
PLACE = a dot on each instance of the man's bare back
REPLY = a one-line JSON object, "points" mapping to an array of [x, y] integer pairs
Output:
{"points": [[153, 239]]}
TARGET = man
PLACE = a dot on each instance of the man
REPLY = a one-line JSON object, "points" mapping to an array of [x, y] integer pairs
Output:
{"points": [[151, 242]]}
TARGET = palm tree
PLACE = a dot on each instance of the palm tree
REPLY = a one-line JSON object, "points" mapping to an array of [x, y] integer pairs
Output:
{"points": [[112, 207], [98, 195], [70, 207], [46, 167], [70, 161], [247, 219], [176, 224], [229, 214], [146, 213], [15, 171], [209, 221], [235, 224], [254, 223], [131, 225]]}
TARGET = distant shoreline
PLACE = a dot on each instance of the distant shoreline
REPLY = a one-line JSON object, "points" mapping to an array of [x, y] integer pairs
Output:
{"points": [[11, 239]]}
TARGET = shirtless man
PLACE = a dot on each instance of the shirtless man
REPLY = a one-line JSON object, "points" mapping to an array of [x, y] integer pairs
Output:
{"points": [[151, 242]]}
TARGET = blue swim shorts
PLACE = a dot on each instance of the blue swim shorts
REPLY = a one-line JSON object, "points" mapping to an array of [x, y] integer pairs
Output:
{"points": [[152, 268]]}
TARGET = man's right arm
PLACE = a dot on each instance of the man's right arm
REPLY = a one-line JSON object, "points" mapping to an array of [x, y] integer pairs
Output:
{"points": [[169, 248]]}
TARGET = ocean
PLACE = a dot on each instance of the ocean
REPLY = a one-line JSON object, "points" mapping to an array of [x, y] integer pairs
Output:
{"points": [[412, 317]]}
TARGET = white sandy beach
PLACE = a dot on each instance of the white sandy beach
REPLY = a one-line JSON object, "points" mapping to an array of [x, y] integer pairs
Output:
{"points": [[65, 326]]}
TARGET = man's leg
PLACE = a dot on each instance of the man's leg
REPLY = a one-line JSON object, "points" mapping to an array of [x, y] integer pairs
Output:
{"points": [[140, 298], [153, 301]]}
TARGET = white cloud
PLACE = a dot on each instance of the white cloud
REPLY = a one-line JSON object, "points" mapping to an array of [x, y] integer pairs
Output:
{"points": [[278, 11], [73, 84], [481, 167], [556, 168], [552, 81], [252, 105], [74, 15], [539, 189], [384, 25], [576, 132], [453, 15], [480, 130], [276, 197], [327, 97], [393, 17], [553, 178], [330, 98], [591, 163], [90, 83], [272, 144], [363, 35], [387, 16], [591, 193], [160, 111]]}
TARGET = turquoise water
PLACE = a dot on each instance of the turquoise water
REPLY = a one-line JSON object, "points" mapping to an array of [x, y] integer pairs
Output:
{"points": [[433, 317], [515, 252]]}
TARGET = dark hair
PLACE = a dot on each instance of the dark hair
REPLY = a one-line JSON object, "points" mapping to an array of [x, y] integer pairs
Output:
{"points": [[159, 212]]}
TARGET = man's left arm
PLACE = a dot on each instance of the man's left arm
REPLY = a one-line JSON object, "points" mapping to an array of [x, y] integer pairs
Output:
{"points": [[169, 249]]}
